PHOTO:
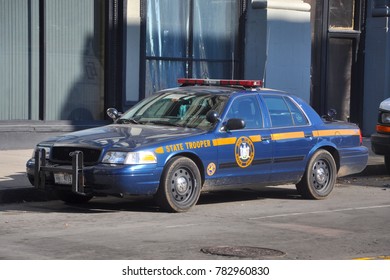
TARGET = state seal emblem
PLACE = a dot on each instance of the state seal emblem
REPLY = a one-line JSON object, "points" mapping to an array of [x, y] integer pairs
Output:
{"points": [[244, 152]]}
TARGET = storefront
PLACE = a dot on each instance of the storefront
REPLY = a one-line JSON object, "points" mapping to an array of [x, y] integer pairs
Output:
{"points": [[52, 59], [69, 60]]}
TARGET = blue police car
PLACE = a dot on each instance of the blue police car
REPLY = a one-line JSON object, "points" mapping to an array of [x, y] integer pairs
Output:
{"points": [[203, 135]]}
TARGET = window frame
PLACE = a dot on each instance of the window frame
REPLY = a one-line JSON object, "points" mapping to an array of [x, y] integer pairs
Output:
{"points": [[237, 62], [284, 98]]}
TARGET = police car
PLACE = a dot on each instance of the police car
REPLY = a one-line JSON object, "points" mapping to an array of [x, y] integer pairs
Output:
{"points": [[203, 135]]}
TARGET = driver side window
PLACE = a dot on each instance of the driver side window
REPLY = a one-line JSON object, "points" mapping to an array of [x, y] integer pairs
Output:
{"points": [[246, 108]]}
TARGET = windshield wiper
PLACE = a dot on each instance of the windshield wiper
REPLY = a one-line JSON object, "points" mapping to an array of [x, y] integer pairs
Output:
{"points": [[165, 123], [127, 121]]}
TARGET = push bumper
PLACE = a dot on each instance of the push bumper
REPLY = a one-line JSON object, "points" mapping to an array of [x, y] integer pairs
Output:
{"points": [[100, 179]]}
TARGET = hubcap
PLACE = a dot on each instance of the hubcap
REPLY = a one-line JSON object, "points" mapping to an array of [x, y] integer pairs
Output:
{"points": [[321, 175], [182, 185]]}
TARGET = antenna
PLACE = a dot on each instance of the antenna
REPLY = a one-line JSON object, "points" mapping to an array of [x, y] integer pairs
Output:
{"points": [[266, 56], [232, 65]]}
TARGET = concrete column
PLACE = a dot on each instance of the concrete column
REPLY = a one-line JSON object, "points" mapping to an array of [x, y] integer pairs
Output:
{"points": [[377, 62], [133, 36], [278, 45]]}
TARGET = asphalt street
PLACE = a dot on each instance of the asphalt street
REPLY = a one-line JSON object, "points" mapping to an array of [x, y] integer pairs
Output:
{"points": [[271, 223]]}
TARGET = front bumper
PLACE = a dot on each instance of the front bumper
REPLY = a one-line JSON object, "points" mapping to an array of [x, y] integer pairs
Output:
{"points": [[100, 179], [380, 144]]}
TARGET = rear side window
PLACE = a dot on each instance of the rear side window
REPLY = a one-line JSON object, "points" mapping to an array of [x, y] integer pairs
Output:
{"points": [[298, 116], [284, 112]]}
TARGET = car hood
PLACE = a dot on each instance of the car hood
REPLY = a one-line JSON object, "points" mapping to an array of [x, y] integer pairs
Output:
{"points": [[385, 104], [124, 136]]}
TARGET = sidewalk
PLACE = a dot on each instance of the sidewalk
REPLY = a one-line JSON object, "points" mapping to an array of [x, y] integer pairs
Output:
{"points": [[15, 187]]}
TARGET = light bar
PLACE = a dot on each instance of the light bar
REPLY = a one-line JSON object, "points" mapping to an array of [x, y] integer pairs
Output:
{"points": [[215, 82]]}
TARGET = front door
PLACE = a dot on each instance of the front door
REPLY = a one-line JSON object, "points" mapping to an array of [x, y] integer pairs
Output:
{"points": [[245, 155]]}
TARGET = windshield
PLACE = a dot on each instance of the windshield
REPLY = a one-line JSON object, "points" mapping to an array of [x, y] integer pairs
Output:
{"points": [[176, 108]]}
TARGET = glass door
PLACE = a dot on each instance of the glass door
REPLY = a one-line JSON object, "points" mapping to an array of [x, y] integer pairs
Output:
{"points": [[74, 59]]}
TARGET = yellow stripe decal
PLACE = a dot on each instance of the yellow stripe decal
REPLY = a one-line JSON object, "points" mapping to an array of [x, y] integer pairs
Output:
{"points": [[335, 132], [159, 150], [287, 135], [255, 138], [224, 141]]}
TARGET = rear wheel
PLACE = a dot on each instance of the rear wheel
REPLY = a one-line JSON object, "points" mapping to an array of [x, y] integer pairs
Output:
{"points": [[72, 198], [320, 176], [180, 185], [31, 179]]}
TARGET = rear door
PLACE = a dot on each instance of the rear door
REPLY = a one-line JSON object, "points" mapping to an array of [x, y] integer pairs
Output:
{"points": [[291, 137]]}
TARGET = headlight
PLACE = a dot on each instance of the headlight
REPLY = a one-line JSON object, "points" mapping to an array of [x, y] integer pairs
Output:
{"points": [[46, 148], [114, 157], [385, 117], [142, 157]]}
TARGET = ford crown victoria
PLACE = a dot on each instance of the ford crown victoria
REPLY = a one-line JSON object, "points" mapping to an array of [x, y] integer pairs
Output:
{"points": [[203, 135]]}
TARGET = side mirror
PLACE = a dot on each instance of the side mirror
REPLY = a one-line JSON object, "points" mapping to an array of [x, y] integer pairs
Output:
{"points": [[234, 124], [330, 115], [212, 116], [113, 113]]}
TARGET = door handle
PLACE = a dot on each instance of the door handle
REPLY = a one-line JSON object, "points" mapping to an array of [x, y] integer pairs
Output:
{"points": [[266, 138]]}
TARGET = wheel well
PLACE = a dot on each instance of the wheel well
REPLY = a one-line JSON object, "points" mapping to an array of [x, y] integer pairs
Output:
{"points": [[197, 161], [334, 153]]}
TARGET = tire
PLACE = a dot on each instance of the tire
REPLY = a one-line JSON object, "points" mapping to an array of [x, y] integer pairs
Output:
{"points": [[320, 176], [387, 163], [31, 180], [72, 198], [180, 185]]}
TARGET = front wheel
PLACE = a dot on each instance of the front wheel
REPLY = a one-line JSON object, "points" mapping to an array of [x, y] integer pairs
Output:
{"points": [[320, 176], [180, 185]]}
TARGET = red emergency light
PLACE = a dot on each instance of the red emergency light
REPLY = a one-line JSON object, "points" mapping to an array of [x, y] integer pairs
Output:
{"points": [[215, 82]]}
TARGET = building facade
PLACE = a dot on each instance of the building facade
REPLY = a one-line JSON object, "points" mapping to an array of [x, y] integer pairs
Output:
{"points": [[70, 60]]}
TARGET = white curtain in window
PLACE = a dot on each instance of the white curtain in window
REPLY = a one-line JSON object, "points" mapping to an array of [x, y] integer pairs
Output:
{"points": [[189, 38]]}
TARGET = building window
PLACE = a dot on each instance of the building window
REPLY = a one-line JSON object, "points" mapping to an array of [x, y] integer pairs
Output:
{"points": [[52, 59], [341, 14], [74, 44], [190, 38]]}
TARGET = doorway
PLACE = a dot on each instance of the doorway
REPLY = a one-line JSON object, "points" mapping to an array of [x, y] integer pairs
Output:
{"points": [[337, 57]]}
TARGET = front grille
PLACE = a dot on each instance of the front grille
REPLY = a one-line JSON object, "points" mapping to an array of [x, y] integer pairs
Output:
{"points": [[62, 155]]}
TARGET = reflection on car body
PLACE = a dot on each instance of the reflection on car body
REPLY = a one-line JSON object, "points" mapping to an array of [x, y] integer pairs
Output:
{"points": [[203, 135]]}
